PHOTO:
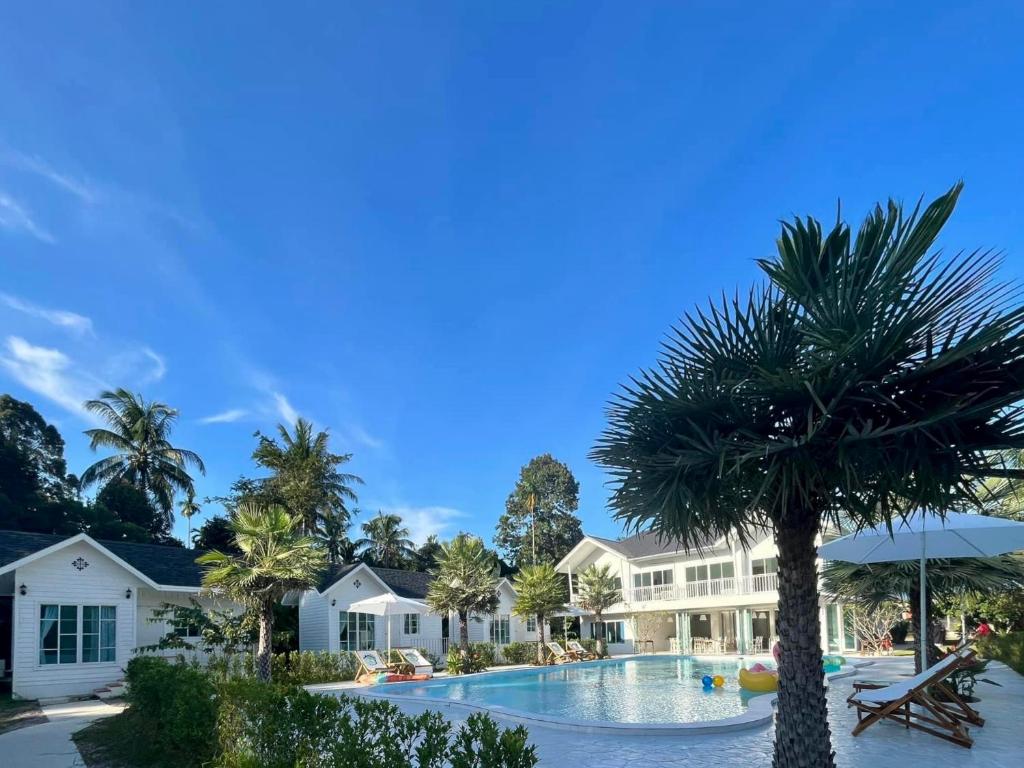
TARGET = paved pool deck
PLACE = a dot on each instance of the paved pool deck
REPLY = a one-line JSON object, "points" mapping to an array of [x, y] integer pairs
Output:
{"points": [[1000, 744]]}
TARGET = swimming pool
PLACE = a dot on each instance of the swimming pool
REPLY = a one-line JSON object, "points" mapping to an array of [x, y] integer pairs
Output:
{"points": [[655, 690]]}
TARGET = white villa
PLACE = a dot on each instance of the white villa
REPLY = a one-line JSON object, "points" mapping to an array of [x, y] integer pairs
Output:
{"points": [[723, 600], [327, 624]]}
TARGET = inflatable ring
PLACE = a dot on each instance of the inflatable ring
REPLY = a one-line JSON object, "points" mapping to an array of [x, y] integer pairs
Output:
{"points": [[759, 682]]}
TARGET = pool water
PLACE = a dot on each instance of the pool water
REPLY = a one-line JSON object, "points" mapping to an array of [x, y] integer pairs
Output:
{"points": [[651, 689]]}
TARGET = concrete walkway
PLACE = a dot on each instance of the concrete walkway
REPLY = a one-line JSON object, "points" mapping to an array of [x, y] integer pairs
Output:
{"points": [[49, 745]]}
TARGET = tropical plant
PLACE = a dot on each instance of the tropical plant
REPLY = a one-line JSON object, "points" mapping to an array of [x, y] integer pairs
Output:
{"points": [[465, 582], [598, 591], [866, 379], [540, 592], [306, 475], [275, 559], [428, 552], [879, 583], [332, 532], [139, 432], [386, 542], [540, 523], [189, 508], [873, 624]]}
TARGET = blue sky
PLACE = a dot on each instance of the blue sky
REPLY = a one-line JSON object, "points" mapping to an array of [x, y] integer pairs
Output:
{"points": [[448, 231]]}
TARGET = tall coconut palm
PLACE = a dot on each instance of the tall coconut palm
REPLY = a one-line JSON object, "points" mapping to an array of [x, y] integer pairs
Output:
{"points": [[465, 582], [140, 432], [386, 541], [306, 474], [332, 532], [189, 508], [866, 378], [275, 559], [540, 592], [880, 583], [598, 592]]}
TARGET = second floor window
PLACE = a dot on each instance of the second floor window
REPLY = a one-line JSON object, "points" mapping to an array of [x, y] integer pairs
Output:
{"points": [[764, 566], [652, 578], [713, 571]]}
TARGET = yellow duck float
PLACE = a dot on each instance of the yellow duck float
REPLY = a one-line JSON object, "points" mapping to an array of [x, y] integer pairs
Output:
{"points": [[759, 682]]}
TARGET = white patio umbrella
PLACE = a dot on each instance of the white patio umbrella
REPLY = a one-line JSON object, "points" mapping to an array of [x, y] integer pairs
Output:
{"points": [[922, 536], [387, 605]]}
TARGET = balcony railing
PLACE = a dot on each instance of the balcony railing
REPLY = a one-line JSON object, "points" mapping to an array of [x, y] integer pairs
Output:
{"points": [[727, 587]]}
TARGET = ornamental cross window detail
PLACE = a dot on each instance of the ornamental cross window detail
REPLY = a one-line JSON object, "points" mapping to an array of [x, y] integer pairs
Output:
{"points": [[81, 564], [357, 583]]}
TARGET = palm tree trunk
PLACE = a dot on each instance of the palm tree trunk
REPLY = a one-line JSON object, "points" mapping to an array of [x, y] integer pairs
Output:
{"points": [[264, 648], [802, 738], [540, 639], [599, 633], [914, 596], [464, 631]]}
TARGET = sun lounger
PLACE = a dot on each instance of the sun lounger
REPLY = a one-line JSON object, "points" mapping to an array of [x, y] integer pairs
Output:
{"points": [[558, 655], [576, 648], [939, 710], [414, 663], [370, 663]]}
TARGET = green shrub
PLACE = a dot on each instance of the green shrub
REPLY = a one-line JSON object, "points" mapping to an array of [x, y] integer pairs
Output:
{"points": [[174, 706], [520, 653], [464, 664], [480, 743], [309, 667], [1007, 648], [485, 653], [432, 657], [590, 644]]}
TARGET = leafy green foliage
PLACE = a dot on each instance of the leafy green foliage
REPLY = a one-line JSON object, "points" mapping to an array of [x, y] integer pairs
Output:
{"points": [[543, 504], [216, 534], [540, 592], [965, 679], [519, 652], [597, 593], [1007, 648], [215, 631], [386, 542], [465, 662], [428, 553], [40, 448], [466, 582]]}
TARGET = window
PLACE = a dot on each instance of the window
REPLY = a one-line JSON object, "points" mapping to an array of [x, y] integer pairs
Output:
{"points": [[618, 583], [183, 627], [652, 578], [764, 566], [411, 624], [574, 583], [356, 631], [613, 631], [531, 623], [59, 632], [721, 570], [500, 629], [99, 633]]}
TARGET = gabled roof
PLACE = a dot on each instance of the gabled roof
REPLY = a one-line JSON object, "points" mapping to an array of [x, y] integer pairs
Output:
{"points": [[636, 547], [411, 584], [162, 565]]}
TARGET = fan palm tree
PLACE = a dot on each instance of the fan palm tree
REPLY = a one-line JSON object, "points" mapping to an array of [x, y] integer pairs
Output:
{"points": [[465, 583], [306, 475], [139, 432], [189, 508], [898, 582], [386, 541], [275, 559], [540, 592], [865, 378], [597, 593]]}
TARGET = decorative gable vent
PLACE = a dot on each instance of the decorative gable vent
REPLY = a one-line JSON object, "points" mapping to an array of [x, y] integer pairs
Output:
{"points": [[81, 564], [357, 583]]}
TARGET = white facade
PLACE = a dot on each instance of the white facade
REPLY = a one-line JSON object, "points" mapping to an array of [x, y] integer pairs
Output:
{"points": [[722, 600]]}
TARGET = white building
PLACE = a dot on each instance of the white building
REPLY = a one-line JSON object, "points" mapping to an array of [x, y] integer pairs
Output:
{"points": [[722, 600], [327, 624], [74, 610]]}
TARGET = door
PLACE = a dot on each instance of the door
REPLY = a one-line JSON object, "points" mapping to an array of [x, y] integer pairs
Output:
{"points": [[761, 626]]}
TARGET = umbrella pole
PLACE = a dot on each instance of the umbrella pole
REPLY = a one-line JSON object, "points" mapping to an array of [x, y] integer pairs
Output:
{"points": [[922, 620]]}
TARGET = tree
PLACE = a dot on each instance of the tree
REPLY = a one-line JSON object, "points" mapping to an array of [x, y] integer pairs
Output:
{"points": [[880, 584], [25, 431], [427, 554], [598, 592], [386, 542], [275, 559], [139, 432], [332, 533], [873, 623], [216, 533], [306, 476], [866, 379], [189, 508], [540, 592], [465, 582], [539, 524], [130, 505]]}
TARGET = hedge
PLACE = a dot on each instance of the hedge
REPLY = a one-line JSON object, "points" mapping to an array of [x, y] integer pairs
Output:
{"points": [[1007, 648]]}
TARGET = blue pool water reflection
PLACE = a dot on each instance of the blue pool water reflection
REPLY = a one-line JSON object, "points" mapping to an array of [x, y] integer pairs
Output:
{"points": [[647, 689]]}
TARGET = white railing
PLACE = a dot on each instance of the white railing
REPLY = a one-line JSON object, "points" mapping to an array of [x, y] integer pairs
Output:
{"points": [[711, 588], [762, 582], [727, 587], [648, 594]]}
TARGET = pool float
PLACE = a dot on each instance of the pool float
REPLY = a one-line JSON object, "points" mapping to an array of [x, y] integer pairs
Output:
{"points": [[759, 682]]}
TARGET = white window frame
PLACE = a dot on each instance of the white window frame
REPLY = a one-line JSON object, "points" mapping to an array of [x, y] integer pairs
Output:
{"points": [[411, 624], [368, 620], [79, 635], [531, 623], [500, 627]]}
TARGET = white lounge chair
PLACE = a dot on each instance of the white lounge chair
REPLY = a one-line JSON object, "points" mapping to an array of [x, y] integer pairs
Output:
{"points": [[576, 647], [371, 663], [415, 661], [558, 655]]}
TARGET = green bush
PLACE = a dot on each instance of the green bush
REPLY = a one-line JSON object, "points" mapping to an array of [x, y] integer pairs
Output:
{"points": [[590, 644], [520, 653], [1007, 648], [309, 667], [464, 664], [433, 658], [485, 653], [174, 707]]}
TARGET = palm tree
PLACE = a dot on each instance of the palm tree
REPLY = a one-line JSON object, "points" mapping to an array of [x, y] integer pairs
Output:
{"points": [[275, 559], [465, 582], [386, 541], [305, 474], [140, 432], [865, 378], [539, 593], [332, 533], [597, 593], [189, 508], [898, 582]]}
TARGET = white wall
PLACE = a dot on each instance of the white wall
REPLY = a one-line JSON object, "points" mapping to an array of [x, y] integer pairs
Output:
{"points": [[149, 632], [313, 608], [54, 580]]}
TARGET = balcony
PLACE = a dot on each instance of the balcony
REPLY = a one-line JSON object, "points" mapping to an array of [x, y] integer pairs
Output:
{"points": [[695, 590]]}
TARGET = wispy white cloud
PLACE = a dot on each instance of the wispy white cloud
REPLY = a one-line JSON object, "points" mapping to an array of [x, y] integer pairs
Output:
{"points": [[37, 166], [357, 434], [225, 417], [16, 218], [72, 321], [284, 408], [159, 368], [48, 372], [424, 521]]}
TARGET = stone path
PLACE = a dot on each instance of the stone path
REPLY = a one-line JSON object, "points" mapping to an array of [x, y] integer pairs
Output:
{"points": [[49, 744]]}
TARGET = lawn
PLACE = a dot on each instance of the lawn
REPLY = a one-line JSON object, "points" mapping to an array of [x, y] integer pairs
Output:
{"points": [[113, 742], [15, 713]]}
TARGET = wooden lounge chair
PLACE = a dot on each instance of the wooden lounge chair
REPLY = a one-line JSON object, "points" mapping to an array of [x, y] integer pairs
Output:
{"points": [[414, 662], [558, 655], [576, 648], [946, 717], [370, 663]]}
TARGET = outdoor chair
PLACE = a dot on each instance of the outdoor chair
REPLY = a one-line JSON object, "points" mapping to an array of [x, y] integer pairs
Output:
{"points": [[414, 663], [371, 663], [576, 647], [940, 711], [558, 655]]}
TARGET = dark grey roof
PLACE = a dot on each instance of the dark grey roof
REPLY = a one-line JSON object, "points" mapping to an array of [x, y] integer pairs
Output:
{"points": [[411, 584], [645, 545], [167, 566]]}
